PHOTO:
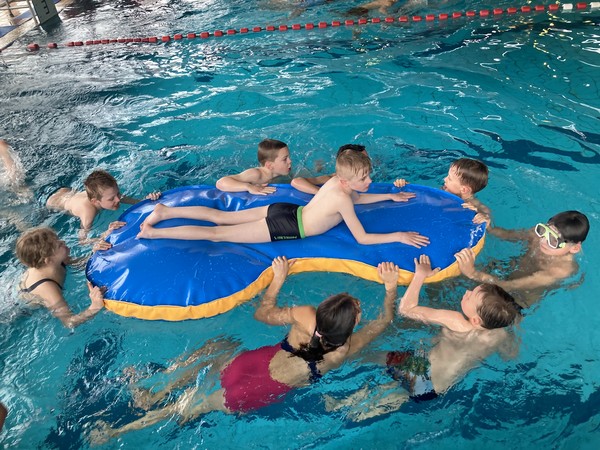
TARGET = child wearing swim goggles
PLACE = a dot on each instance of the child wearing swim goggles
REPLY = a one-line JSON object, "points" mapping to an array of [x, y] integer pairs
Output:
{"points": [[550, 256], [552, 237]]}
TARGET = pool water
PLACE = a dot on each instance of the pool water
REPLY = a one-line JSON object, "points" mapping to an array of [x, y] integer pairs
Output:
{"points": [[519, 92]]}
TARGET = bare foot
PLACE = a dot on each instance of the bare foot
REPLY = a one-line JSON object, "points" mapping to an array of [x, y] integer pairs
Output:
{"points": [[146, 231], [101, 434], [158, 215]]}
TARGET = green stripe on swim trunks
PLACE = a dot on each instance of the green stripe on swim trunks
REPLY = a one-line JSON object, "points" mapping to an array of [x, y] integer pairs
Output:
{"points": [[300, 224]]}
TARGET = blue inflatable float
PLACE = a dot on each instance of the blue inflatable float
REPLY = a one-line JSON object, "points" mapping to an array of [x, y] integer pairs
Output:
{"points": [[176, 280]]}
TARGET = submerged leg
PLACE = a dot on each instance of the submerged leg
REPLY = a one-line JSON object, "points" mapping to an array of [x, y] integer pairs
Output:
{"points": [[103, 432]]}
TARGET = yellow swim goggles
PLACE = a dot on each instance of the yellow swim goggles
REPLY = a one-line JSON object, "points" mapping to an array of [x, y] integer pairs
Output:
{"points": [[553, 238]]}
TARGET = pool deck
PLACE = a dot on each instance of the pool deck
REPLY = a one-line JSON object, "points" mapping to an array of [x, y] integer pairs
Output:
{"points": [[12, 28]]}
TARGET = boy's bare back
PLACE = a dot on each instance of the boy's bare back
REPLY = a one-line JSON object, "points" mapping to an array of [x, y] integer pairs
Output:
{"points": [[326, 208], [75, 203]]}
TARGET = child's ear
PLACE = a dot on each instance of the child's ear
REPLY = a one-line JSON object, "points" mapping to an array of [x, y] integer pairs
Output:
{"points": [[575, 248], [95, 202], [269, 165], [476, 321], [466, 191]]}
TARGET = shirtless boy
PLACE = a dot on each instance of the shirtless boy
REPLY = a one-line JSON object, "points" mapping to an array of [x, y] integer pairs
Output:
{"points": [[274, 160], [333, 204], [101, 192], [467, 337], [549, 259], [311, 185]]}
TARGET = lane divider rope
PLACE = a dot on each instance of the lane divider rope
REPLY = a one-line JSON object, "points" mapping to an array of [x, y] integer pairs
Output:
{"points": [[495, 12]]}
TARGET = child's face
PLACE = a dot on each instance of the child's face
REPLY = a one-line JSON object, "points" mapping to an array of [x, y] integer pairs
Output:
{"points": [[453, 184], [360, 182], [283, 163], [110, 199], [546, 249], [471, 301], [62, 252]]}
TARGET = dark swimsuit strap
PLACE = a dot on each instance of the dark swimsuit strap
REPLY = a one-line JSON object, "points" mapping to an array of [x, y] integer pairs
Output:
{"points": [[37, 283], [312, 365]]}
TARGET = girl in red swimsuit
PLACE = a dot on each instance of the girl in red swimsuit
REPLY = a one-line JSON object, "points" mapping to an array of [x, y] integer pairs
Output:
{"points": [[320, 339]]}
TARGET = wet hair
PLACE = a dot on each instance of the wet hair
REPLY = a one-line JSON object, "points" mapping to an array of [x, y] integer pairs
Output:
{"points": [[336, 319], [349, 164], [351, 147], [498, 308], [98, 181], [268, 150], [472, 173], [35, 245], [573, 226]]}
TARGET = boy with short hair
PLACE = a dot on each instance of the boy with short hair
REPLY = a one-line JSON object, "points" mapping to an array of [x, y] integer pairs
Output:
{"points": [[101, 192], [274, 159], [467, 337], [333, 204], [549, 258], [465, 178], [311, 185]]}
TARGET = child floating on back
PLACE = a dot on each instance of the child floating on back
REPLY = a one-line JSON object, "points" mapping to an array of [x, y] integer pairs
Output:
{"points": [[46, 258], [274, 159]]}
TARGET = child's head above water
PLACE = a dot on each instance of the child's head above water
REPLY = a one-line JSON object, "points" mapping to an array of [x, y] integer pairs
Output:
{"points": [[573, 226], [498, 309], [350, 165], [352, 147], [489, 306], [466, 177], [274, 155], [98, 182], [36, 245]]}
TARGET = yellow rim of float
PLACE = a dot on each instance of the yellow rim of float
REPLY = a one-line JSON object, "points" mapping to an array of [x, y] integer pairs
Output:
{"points": [[221, 305]]}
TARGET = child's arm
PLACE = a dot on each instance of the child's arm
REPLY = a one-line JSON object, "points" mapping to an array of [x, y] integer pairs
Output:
{"points": [[250, 180], [268, 311], [510, 235], [132, 201], [53, 299], [310, 185], [348, 213], [538, 279], [409, 304], [364, 199], [388, 273]]}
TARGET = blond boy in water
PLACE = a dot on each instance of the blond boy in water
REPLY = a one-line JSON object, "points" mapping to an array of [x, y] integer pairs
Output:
{"points": [[333, 204], [101, 192], [274, 159]]}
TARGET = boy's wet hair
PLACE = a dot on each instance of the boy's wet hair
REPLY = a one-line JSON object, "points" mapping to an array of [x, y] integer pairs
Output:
{"points": [[352, 147], [268, 150], [472, 173], [34, 246], [98, 181], [336, 319], [349, 164], [573, 226], [498, 308]]}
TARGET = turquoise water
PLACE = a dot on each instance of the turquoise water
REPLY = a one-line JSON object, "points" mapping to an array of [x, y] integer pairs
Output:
{"points": [[519, 92]]}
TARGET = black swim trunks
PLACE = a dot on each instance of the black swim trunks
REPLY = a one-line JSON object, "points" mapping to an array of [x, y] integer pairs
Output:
{"points": [[284, 221]]}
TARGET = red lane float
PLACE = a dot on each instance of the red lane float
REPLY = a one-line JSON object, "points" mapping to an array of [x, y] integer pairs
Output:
{"points": [[32, 47]]}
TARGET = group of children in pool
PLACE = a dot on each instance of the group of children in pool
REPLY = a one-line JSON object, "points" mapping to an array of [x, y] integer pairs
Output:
{"points": [[486, 310]]}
